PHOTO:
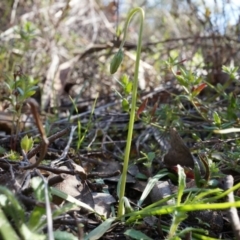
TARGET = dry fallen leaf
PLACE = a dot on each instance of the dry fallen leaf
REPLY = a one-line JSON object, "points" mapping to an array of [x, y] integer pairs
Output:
{"points": [[178, 152]]}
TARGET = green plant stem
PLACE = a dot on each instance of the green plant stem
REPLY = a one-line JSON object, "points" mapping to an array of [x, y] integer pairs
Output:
{"points": [[168, 209], [133, 106]]}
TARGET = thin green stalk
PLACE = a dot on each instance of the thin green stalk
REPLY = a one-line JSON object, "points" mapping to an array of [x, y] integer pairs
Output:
{"points": [[183, 208], [116, 63], [133, 105]]}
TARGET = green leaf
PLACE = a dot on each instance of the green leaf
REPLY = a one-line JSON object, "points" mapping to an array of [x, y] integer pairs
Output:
{"points": [[141, 176], [128, 88], [230, 70], [210, 128], [124, 79], [2, 150], [38, 188], [197, 174], [14, 209], [148, 188], [182, 81], [100, 230], [181, 183], [128, 207], [20, 91], [34, 88], [28, 234], [26, 143], [71, 199], [6, 230], [125, 105], [63, 209], [119, 186], [132, 233], [35, 220], [14, 156], [60, 235], [28, 94], [217, 119], [151, 156]]}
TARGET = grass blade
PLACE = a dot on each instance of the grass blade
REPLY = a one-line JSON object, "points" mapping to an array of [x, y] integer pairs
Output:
{"points": [[100, 230]]}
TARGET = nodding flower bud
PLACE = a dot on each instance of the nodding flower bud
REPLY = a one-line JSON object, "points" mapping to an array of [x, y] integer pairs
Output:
{"points": [[116, 61]]}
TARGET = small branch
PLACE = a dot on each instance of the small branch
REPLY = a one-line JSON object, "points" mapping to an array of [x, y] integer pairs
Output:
{"points": [[65, 152], [13, 13], [232, 212]]}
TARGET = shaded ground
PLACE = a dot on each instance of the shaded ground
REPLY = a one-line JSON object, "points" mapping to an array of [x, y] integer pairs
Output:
{"points": [[91, 173]]}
